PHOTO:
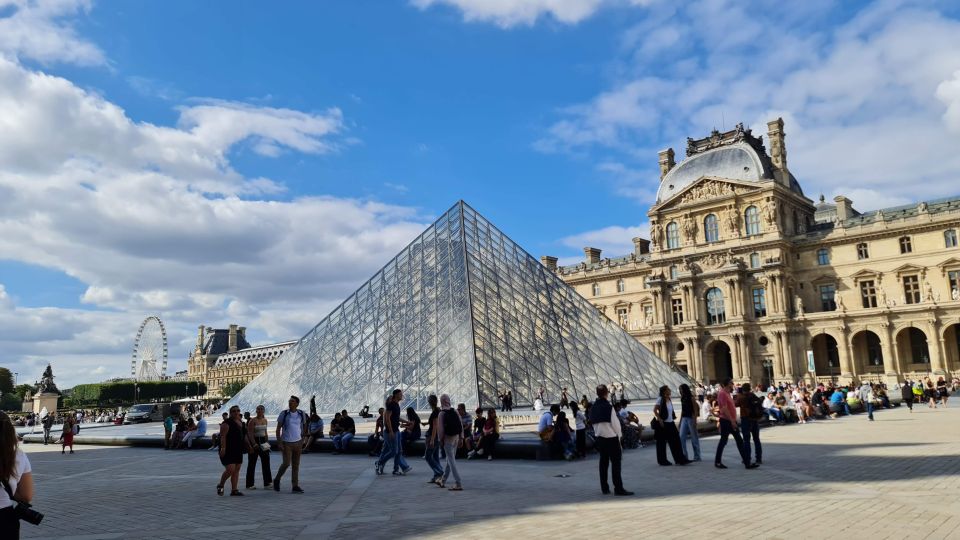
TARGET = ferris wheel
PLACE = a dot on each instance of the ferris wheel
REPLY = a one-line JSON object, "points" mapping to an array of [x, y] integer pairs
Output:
{"points": [[150, 351]]}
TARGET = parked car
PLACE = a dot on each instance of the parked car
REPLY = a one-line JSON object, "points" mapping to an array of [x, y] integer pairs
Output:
{"points": [[146, 412]]}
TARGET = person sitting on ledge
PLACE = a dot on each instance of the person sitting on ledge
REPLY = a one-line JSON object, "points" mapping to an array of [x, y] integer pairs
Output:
{"points": [[314, 432], [375, 441], [838, 402], [365, 412], [411, 430], [347, 431], [771, 409]]}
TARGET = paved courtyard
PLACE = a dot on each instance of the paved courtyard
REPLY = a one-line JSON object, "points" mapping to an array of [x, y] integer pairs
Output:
{"points": [[897, 477]]}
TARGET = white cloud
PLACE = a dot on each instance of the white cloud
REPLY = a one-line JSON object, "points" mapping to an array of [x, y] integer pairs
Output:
{"points": [[614, 241], [35, 29], [868, 105], [154, 219], [508, 13]]}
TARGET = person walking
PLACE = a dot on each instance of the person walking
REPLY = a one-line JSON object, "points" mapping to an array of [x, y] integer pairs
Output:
{"points": [[231, 451], [751, 412], [47, 425], [580, 425], [665, 430], [391, 436], [433, 440], [867, 397], [449, 432], [66, 435], [167, 430], [564, 399], [606, 428], [509, 400], [291, 427], [689, 412], [348, 429], [728, 425], [15, 476], [259, 449]]}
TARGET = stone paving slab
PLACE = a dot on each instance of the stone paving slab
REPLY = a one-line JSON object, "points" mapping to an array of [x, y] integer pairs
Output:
{"points": [[897, 477]]}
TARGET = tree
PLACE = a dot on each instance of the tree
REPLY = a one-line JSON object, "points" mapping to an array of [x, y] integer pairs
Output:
{"points": [[22, 389], [6, 381], [232, 388]]}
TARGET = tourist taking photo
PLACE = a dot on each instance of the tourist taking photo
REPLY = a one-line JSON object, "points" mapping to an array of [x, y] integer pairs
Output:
{"points": [[16, 478]]}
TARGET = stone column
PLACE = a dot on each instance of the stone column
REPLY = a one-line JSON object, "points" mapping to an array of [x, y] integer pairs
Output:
{"points": [[846, 362], [938, 363], [778, 367], [657, 308], [891, 364], [737, 366]]}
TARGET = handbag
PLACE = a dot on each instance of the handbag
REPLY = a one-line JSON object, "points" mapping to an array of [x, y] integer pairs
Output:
{"points": [[264, 447]]}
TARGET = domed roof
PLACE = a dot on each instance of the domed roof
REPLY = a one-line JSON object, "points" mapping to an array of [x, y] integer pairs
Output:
{"points": [[737, 161]]}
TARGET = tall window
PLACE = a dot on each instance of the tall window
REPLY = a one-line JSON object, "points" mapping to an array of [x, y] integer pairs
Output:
{"points": [[828, 295], [950, 238], [677, 305], [673, 235], [596, 289], [868, 293], [752, 220], [823, 257], [673, 271], [862, 251], [906, 246], [715, 311], [953, 277], [622, 317], [754, 260], [911, 289], [759, 302], [621, 286], [711, 229]]}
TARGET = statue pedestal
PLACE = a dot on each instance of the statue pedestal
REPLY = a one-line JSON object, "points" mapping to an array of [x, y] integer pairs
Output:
{"points": [[45, 400], [27, 405]]}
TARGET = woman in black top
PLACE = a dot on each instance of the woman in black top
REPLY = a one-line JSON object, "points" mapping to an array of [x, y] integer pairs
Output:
{"points": [[665, 430], [231, 451], [411, 431], [689, 412]]}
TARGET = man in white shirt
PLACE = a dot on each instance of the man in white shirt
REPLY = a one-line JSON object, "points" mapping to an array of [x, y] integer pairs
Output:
{"points": [[291, 427], [606, 428]]}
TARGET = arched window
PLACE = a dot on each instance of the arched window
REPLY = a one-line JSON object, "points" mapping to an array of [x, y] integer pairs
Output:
{"points": [[754, 260], [751, 220], [596, 289], [711, 230], [950, 238], [621, 286], [715, 311], [673, 235]]}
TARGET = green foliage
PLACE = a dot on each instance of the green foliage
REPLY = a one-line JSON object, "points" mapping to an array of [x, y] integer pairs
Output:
{"points": [[231, 388], [10, 402], [21, 390], [128, 392], [6, 381]]}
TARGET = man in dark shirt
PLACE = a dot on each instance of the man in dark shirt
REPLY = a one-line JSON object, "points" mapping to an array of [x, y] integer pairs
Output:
{"points": [[433, 445], [347, 430], [391, 437]]}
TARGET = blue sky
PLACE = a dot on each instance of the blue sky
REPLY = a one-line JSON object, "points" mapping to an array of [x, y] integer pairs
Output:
{"points": [[221, 162]]}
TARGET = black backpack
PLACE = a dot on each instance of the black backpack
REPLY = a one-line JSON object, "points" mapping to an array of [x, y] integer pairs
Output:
{"points": [[451, 423], [756, 406]]}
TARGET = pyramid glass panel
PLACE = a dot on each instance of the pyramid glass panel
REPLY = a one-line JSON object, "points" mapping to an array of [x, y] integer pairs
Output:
{"points": [[462, 310]]}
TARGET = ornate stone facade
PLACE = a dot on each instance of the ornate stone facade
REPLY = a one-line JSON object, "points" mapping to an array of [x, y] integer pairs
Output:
{"points": [[757, 281], [222, 356]]}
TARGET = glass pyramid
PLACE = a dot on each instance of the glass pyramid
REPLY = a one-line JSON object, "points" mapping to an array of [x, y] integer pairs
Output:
{"points": [[462, 310]]}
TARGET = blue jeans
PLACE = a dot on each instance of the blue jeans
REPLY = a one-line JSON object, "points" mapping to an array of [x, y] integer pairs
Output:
{"points": [[342, 441], [391, 449], [726, 430], [777, 413], [688, 430], [869, 409], [433, 456], [751, 428]]}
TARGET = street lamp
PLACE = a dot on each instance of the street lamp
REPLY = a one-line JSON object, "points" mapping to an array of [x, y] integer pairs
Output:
{"points": [[15, 378], [136, 393]]}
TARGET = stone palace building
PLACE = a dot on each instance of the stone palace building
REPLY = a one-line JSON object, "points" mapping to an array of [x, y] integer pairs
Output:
{"points": [[223, 355], [745, 276]]}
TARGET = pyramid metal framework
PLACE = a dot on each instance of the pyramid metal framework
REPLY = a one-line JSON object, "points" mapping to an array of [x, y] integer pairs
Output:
{"points": [[462, 310]]}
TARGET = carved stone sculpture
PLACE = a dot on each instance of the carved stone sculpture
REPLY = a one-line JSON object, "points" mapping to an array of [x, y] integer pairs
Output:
{"points": [[770, 214], [732, 220], [800, 306], [46, 384], [689, 229]]}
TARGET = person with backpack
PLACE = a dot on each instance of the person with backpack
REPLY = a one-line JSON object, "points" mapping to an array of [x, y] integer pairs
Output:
{"points": [[291, 427], [751, 412], [449, 432], [433, 440]]}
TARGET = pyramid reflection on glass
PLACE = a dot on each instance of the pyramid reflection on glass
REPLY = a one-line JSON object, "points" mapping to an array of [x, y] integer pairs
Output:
{"points": [[462, 310]]}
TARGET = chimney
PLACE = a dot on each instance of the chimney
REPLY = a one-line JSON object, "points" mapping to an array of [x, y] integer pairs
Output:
{"points": [[232, 339], [666, 161], [845, 209], [200, 336], [778, 149], [592, 254], [549, 262], [641, 246], [242, 332]]}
